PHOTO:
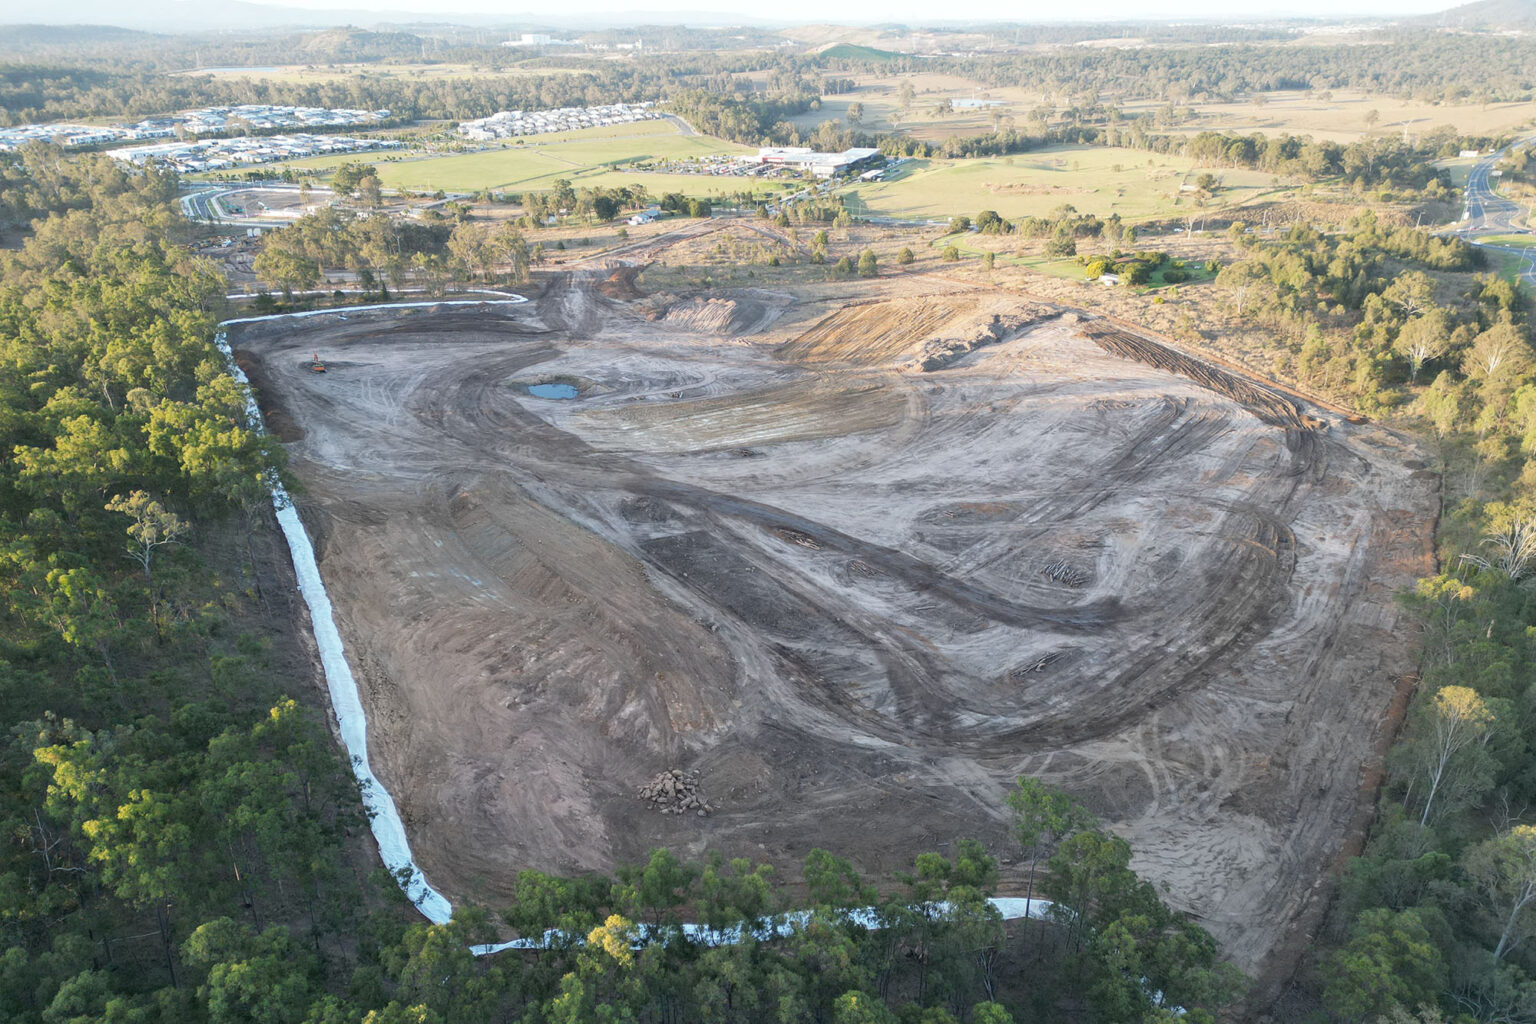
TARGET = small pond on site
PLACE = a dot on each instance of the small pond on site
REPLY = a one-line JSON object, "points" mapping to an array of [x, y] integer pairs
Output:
{"points": [[552, 391]]}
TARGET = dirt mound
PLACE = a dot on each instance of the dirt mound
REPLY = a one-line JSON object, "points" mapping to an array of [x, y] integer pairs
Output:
{"points": [[937, 353], [620, 284], [1269, 406], [932, 330], [873, 333], [728, 317]]}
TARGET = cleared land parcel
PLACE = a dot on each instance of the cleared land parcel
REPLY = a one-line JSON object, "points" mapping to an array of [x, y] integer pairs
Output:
{"points": [[856, 596]]}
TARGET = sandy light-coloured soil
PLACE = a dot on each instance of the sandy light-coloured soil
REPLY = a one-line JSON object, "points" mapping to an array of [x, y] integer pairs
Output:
{"points": [[856, 596]]}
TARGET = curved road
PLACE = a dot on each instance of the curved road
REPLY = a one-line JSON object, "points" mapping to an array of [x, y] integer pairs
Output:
{"points": [[1487, 213]]}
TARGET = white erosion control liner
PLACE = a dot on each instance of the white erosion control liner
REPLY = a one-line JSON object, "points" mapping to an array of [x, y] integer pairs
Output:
{"points": [[783, 926], [234, 296], [384, 816]]}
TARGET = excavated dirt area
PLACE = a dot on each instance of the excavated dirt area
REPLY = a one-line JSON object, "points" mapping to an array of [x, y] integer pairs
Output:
{"points": [[849, 596]]}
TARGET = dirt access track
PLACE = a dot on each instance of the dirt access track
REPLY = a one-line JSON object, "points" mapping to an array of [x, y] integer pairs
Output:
{"points": [[858, 557]]}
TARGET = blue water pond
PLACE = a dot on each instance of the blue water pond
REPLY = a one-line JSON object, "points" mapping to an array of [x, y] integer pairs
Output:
{"points": [[552, 391]]}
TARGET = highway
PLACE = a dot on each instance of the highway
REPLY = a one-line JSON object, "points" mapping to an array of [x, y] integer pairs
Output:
{"points": [[197, 206], [1485, 213]]}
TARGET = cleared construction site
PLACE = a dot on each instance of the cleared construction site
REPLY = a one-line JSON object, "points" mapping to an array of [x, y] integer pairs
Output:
{"points": [[762, 572]]}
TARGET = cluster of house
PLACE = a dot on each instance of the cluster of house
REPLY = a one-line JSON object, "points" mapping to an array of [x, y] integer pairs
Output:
{"points": [[207, 121], [221, 154], [512, 123]]}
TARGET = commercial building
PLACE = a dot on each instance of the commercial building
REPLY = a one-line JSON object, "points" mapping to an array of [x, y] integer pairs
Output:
{"points": [[823, 165]]}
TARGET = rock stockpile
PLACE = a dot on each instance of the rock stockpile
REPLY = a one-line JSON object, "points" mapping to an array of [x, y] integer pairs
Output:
{"points": [[675, 792], [939, 351]]}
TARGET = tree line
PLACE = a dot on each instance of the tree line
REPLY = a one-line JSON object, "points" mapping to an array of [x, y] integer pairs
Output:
{"points": [[1424, 64], [1433, 920], [1364, 313], [155, 776], [383, 251]]}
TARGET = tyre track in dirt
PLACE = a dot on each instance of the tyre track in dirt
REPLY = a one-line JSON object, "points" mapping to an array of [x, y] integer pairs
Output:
{"points": [[849, 626]]}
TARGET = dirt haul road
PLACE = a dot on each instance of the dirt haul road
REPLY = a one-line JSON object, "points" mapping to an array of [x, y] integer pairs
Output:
{"points": [[856, 596]]}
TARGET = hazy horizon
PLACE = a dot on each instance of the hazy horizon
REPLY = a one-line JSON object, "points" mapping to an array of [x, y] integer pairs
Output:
{"points": [[868, 12]]}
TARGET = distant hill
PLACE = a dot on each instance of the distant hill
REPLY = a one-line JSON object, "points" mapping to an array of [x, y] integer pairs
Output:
{"points": [[355, 44], [186, 16], [193, 15], [1488, 15], [26, 37]]}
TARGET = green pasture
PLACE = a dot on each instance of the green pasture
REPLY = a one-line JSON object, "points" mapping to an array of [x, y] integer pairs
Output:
{"points": [[1509, 241], [1067, 268], [1458, 167], [1093, 179], [586, 157]]}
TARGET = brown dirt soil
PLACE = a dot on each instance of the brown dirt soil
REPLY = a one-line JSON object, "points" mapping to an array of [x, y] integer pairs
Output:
{"points": [[856, 600]]}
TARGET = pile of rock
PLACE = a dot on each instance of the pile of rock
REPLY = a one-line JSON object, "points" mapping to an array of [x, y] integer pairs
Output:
{"points": [[675, 792], [938, 352], [1061, 571]]}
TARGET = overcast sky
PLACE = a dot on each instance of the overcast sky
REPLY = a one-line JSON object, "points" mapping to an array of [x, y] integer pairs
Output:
{"points": [[912, 11]]}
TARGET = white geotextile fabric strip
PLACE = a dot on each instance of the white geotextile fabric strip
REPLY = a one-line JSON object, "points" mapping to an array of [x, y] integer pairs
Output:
{"points": [[346, 702], [384, 816], [781, 926]]}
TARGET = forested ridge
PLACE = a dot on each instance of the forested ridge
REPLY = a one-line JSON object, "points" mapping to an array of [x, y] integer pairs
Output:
{"points": [[39, 82]]}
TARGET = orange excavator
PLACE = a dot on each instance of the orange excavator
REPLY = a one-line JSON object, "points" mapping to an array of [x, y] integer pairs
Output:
{"points": [[315, 365]]}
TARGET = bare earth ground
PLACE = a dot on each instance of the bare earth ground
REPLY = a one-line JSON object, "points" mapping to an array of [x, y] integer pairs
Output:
{"points": [[858, 598]]}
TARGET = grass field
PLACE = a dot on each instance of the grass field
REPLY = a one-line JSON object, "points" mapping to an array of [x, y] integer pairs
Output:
{"points": [[586, 157], [1510, 241], [882, 106], [1093, 179], [1459, 168], [1345, 115]]}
